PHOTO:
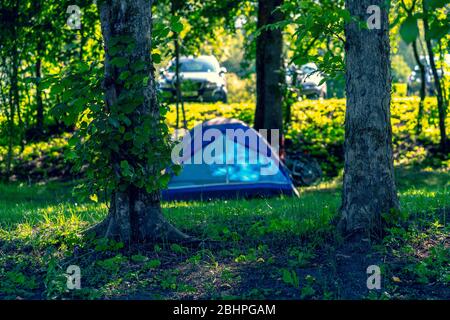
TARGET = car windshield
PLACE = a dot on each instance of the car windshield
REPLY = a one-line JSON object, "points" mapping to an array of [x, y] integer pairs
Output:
{"points": [[194, 65], [308, 69]]}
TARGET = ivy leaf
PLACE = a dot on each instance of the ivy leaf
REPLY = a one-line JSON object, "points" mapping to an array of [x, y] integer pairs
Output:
{"points": [[156, 57], [124, 75], [126, 169], [164, 180], [114, 122], [73, 141], [409, 30], [115, 49], [119, 62], [132, 104]]}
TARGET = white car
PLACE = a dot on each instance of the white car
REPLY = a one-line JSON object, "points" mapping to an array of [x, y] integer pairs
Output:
{"points": [[308, 79], [201, 79]]}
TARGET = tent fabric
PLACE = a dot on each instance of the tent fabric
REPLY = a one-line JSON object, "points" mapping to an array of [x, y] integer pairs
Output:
{"points": [[202, 181]]}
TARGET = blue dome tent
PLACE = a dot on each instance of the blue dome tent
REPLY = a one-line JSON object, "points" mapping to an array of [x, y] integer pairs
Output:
{"points": [[225, 158]]}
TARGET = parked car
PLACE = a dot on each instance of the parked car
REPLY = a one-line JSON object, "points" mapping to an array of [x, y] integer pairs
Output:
{"points": [[414, 80], [201, 79], [307, 79]]}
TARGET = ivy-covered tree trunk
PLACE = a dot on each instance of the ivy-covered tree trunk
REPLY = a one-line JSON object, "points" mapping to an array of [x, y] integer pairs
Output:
{"points": [[135, 214], [269, 48], [369, 185]]}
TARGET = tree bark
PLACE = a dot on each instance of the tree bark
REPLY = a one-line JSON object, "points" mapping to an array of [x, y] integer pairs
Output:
{"points": [[369, 186], [269, 47], [437, 83], [134, 215]]}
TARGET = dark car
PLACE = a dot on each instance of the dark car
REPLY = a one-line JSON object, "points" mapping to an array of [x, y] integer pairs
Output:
{"points": [[415, 81], [201, 79], [308, 79]]}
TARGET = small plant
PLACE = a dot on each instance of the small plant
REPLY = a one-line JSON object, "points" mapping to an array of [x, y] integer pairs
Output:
{"points": [[290, 277], [113, 264], [308, 290], [152, 264], [138, 258]]}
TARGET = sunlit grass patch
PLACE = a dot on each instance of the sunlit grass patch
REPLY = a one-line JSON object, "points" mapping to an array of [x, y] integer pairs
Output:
{"points": [[253, 239]]}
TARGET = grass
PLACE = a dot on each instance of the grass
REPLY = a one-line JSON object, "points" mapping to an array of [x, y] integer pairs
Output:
{"points": [[280, 248]]}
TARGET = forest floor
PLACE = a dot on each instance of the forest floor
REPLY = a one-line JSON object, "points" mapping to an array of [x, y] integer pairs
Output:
{"points": [[281, 248]]}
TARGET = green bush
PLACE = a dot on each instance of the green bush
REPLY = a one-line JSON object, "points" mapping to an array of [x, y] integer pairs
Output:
{"points": [[400, 89], [241, 89], [317, 127]]}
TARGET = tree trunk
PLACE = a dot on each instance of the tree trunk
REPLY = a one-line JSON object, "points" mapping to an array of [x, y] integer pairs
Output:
{"points": [[179, 95], [134, 215], [39, 103], [369, 185], [13, 105], [269, 47], [437, 82], [422, 88]]}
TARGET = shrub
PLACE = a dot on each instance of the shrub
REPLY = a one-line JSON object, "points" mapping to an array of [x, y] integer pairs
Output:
{"points": [[317, 127], [241, 89], [400, 89]]}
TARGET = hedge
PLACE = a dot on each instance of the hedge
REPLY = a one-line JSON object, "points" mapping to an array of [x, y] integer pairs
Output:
{"points": [[317, 127]]}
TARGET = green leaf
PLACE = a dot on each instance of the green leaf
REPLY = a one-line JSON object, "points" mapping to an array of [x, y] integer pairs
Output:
{"points": [[119, 62], [138, 65], [115, 49], [73, 141], [124, 75], [127, 171], [138, 258], [177, 169], [436, 4], [114, 122], [409, 30], [177, 27], [153, 264], [131, 105], [438, 31], [128, 136], [124, 164], [164, 180], [80, 102], [56, 89], [156, 57], [125, 120]]}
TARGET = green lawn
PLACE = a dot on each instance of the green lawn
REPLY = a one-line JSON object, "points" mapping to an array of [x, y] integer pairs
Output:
{"points": [[280, 248]]}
